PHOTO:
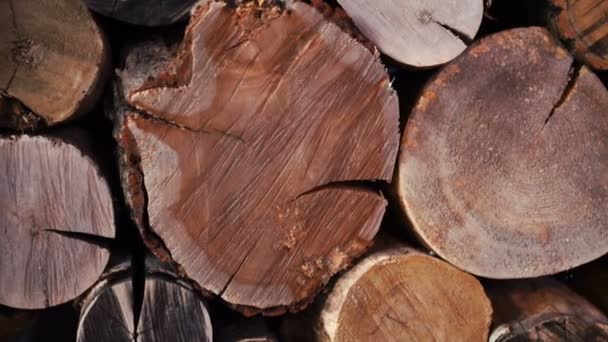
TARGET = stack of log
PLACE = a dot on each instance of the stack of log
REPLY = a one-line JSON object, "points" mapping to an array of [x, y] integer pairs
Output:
{"points": [[286, 170]]}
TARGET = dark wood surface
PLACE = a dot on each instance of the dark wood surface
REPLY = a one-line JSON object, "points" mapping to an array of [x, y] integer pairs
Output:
{"points": [[162, 309], [52, 200], [53, 62], [543, 310], [143, 12], [253, 147], [503, 165], [583, 26]]}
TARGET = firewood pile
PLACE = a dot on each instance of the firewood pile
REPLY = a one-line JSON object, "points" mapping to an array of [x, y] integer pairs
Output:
{"points": [[293, 170]]}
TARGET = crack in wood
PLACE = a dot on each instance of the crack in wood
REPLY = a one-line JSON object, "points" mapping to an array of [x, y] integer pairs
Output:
{"points": [[463, 37], [97, 240], [138, 281], [371, 185], [573, 76]]}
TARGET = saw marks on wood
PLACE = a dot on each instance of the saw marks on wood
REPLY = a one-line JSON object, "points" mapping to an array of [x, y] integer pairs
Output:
{"points": [[503, 168], [53, 60], [242, 146], [52, 197], [422, 33]]}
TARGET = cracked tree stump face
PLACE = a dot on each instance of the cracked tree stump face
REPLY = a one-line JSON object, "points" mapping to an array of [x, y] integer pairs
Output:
{"points": [[53, 62], [399, 294], [543, 310], [159, 309], [143, 12], [582, 25], [503, 168], [52, 197], [243, 150], [417, 33]]}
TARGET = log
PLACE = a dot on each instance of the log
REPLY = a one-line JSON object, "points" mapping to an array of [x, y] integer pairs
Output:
{"points": [[53, 60], [143, 12], [503, 163], [582, 25], [417, 33], [543, 310], [398, 294], [54, 206], [251, 157], [159, 307]]}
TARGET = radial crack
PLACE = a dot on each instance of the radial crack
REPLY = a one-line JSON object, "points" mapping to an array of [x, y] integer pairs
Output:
{"points": [[97, 240], [138, 280], [573, 76], [465, 38], [365, 185]]}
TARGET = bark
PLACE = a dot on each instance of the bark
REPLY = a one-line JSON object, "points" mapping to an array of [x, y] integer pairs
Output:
{"points": [[417, 33], [503, 163], [53, 62], [143, 12], [158, 307], [251, 155], [57, 219], [397, 294], [543, 310], [582, 25]]}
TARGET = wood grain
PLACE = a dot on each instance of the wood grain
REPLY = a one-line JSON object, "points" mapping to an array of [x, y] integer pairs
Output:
{"points": [[399, 294], [503, 167], [49, 191], [543, 310], [164, 309], [143, 12], [241, 142], [53, 59], [583, 25], [420, 33]]}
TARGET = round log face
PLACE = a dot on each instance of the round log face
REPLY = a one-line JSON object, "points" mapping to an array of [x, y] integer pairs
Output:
{"points": [[401, 295], [53, 59], [48, 190], [582, 25], [236, 170], [503, 168], [168, 312], [421, 33]]}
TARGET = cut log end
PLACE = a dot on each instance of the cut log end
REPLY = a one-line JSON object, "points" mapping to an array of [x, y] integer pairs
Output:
{"points": [[54, 205], [55, 71], [162, 308], [398, 294], [502, 170], [582, 26], [417, 33], [543, 310], [244, 184]]}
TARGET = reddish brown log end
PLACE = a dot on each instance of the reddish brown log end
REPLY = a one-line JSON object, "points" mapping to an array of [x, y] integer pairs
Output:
{"points": [[503, 167], [242, 142]]}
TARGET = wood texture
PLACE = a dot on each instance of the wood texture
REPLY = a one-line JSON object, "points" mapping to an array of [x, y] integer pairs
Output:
{"points": [[583, 26], [398, 294], [51, 195], [164, 309], [503, 167], [53, 60], [420, 33], [242, 142], [543, 310], [143, 12]]}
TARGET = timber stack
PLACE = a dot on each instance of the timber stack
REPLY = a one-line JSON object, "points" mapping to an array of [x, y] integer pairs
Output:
{"points": [[303, 170]]}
